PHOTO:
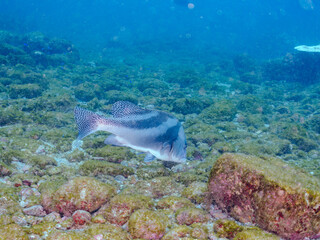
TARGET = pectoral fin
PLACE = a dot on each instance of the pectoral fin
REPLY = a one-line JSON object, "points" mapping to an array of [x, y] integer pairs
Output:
{"points": [[149, 157], [114, 141]]}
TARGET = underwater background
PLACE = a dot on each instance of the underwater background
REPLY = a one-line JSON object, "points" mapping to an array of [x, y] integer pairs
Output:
{"points": [[227, 70]]}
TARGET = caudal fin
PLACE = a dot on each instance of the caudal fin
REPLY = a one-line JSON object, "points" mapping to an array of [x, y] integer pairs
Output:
{"points": [[88, 122]]}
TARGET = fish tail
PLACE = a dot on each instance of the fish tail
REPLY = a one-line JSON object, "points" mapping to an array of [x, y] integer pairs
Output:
{"points": [[88, 122]]}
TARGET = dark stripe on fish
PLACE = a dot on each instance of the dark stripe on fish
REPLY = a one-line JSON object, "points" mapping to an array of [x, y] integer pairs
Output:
{"points": [[151, 122]]}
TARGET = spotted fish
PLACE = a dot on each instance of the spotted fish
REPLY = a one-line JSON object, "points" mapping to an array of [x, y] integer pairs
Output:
{"points": [[157, 133]]}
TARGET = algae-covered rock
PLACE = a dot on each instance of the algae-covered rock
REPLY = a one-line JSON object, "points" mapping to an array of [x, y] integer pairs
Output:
{"points": [[190, 215], [13, 231], [108, 232], [174, 203], [30, 90], [156, 188], [267, 191], [188, 106], [152, 171], [70, 235], [223, 110], [195, 191], [177, 233], [227, 228], [95, 168], [147, 224], [5, 170], [113, 154], [81, 193], [87, 91], [255, 234], [122, 206]]}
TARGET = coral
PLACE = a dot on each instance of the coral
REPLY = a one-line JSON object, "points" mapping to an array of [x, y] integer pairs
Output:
{"points": [[81, 193], [95, 168], [122, 206], [256, 190], [147, 224], [190, 215]]}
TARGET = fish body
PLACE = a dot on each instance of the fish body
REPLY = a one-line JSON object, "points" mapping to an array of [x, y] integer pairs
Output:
{"points": [[157, 133]]}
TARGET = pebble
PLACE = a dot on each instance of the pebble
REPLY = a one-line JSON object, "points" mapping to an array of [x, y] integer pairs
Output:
{"points": [[36, 210]]}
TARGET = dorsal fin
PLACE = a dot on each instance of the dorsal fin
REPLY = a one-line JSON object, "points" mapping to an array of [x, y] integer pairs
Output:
{"points": [[124, 108]]}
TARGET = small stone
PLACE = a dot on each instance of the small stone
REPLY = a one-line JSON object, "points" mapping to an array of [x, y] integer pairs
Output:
{"points": [[81, 217], [36, 210]]}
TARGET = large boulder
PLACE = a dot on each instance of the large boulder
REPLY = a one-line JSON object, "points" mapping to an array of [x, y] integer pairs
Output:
{"points": [[81, 193], [268, 192]]}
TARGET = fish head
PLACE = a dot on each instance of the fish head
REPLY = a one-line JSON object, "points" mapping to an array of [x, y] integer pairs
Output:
{"points": [[178, 150]]}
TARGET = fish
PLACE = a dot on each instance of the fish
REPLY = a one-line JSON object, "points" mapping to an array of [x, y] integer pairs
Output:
{"points": [[154, 132]]}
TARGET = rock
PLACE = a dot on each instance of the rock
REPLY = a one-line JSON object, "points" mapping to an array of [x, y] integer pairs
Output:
{"points": [[178, 233], [108, 231], [157, 187], [81, 193], [227, 228], [5, 170], [122, 206], [96, 168], [71, 235], [13, 231], [147, 224], [81, 217], [174, 203], [29, 90], [36, 210], [195, 192], [268, 192], [191, 215], [253, 234]]}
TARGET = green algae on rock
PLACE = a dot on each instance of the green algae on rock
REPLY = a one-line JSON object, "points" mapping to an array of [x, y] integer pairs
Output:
{"points": [[108, 231], [29, 90], [174, 203], [120, 207], [80, 193], [254, 234], [113, 154], [70, 235], [156, 188], [196, 192], [147, 224], [267, 191], [13, 231], [96, 167], [190, 215]]}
